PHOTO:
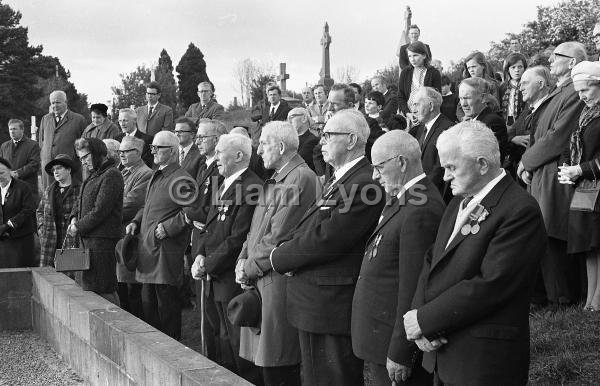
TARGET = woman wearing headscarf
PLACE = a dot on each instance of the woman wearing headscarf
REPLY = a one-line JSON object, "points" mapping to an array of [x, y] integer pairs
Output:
{"points": [[101, 127], [55, 208], [583, 164], [96, 218]]}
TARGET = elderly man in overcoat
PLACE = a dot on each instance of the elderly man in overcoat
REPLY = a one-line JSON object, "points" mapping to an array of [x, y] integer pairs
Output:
{"points": [[552, 122], [324, 253], [58, 132], [471, 308], [164, 236], [286, 197]]}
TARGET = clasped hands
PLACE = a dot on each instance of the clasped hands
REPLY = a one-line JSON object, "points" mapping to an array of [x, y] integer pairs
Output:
{"points": [[523, 174], [72, 229], [240, 275], [568, 174], [414, 333]]}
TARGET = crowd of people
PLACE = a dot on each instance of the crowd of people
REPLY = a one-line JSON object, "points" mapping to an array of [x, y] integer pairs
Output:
{"points": [[398, 236]]}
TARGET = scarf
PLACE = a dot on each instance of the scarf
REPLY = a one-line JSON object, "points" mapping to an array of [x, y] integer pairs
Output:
{"points": [[576, 142]]}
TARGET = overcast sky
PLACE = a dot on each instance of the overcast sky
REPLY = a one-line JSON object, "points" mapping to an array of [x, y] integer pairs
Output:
{"points": [[98, 40]]}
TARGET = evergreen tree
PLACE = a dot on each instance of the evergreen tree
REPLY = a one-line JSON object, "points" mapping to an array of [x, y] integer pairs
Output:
{"points": [[191, 71], [166, 80]]}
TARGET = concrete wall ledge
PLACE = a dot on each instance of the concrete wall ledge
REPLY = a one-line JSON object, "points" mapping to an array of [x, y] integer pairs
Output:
{"points": [[103, 343]]}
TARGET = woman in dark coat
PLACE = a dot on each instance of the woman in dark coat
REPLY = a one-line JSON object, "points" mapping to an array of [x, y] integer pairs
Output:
{"points": [[583, 159], [101, 127], [17, 206], [54, 210], [419, 74], [97, 217]]}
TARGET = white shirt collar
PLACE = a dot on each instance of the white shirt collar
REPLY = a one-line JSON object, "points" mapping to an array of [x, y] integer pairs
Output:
{"points": [[133, 132], [153, 106], [229, 180], [210, 160], [477, 197], [410, 184], [344, 169], [275, 106], [538, 103], [430, 124], [374, 116], [4, 190], [185, 149]]}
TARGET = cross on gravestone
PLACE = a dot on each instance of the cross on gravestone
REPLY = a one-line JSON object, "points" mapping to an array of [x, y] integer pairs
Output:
{"points": [[282, 77]]}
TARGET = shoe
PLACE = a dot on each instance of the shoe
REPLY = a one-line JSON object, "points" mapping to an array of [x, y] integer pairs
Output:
{"points": [[591, 309]]}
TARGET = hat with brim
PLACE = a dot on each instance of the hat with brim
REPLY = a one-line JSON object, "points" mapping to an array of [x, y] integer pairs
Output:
{"points": [[244, 310], [127, 251], [5, 162], [61, 159]]}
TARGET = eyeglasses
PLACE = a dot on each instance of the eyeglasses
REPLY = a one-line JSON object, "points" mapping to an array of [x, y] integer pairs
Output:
{"points": [[151, 93], [201, 138], [84, 157], [327, 135], [555, 54], [379, 167], [155, 148], [121, 152], [289, 118], [182, 131]]}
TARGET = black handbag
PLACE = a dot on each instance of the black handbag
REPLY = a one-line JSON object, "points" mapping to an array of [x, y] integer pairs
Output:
{"points": [[585, 198], [71, 259]]}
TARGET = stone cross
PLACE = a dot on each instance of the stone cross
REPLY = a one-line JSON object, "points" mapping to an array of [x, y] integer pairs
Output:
{"points": [[325, 73], [282, 77]]}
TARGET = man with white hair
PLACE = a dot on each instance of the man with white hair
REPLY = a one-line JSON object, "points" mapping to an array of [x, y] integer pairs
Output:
{"points": [[556, 117], [287, 196], [596, 36], [391, 98], [136, 176], [163, 237], [58, 131], [300, 119], [392, 263], [471, 306], [128, 123], [324, 252], [226, 228], [426, 108]]}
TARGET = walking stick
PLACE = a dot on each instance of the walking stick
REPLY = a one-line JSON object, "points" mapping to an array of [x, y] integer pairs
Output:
{"points": [[202, 309]]}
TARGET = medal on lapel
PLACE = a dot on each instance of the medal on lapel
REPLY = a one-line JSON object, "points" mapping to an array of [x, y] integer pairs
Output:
{"points": [[206, 184], [477, 216], [374, 246], [222, 212]]}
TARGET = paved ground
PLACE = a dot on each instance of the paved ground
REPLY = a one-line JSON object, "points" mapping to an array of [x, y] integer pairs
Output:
{"points": [[26, 359]]}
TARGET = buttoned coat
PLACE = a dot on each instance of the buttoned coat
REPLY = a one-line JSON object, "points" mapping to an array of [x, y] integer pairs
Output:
{"points": [[283, 204], [161, 119], [475, 292], [46, 223], [135, 182], [161, 261], [16, 245], [24, 159], [212, 110], [227, 226], [553, 122], [107, 130], [59, 138], [389, 274], [325, 252]]}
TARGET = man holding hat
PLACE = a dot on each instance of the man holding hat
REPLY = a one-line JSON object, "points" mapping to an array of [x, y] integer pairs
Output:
{"points": [[556, 117], [16, 220], [164, 236], [101, 127], [55, 208]]}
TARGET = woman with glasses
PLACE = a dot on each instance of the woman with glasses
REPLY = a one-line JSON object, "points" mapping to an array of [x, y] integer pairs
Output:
{"points": [[96, 218]]}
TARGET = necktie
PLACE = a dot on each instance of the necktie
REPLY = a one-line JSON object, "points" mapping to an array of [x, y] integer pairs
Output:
{"points": [[203, 107], [272, 113], [465, 202], [150, 109], [320, 109], [57, 119], [328, 186], [181, 156], [422, 137]]}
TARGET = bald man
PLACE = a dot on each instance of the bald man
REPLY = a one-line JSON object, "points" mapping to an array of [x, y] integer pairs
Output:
{"points": [[58, 131], [392, 263], [164, 236]]}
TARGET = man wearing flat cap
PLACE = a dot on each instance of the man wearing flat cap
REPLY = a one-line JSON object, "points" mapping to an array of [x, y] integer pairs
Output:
{"points": [[553, 121], [164, 236], [58, 132], [16, 220], [101, 127]]}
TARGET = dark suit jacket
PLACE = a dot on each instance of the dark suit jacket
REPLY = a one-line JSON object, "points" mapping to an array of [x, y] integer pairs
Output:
{"points": [[391, 105], [212, 110], [476, 291], [25, 160], [306, 146], [433, 78], [280, 114], [388, 280], [226, 231], [161, 119], [430, 158], [146, 155], [495, 122], [19, 208], [192, 160], [375, 132], [325, 251], [403, 59]]}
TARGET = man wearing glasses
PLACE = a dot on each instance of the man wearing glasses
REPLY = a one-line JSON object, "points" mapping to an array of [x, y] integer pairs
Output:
{"points": [[155, 116], [127, 121], [136, 175], [323, 254], [556, 117], [189, 155], [207, 107], [164, 236]]}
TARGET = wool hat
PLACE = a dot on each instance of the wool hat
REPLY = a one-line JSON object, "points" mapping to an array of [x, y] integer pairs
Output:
{"points": [[585, 71]]}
